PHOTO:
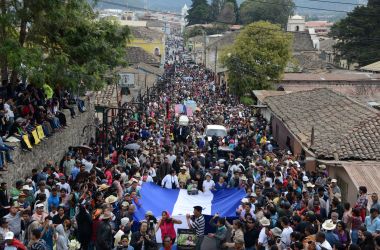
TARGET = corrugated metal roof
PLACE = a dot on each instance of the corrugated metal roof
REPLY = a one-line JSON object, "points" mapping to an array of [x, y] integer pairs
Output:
{"points": [[364, 173]]}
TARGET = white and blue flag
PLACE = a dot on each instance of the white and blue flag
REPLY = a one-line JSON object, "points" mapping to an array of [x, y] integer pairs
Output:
{"points": [[178, 202]]}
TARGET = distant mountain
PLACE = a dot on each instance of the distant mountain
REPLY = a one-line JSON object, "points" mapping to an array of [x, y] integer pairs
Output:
{"points": [[312, 6]]}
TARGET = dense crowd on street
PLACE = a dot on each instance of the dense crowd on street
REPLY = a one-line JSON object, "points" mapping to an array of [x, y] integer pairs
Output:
{"points": [[86, 203]]}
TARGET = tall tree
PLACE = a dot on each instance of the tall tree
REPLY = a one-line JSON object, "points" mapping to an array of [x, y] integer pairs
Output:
{"points": [[227, 15], [199, 13], [358, 34], [236, 8], [216, 8], [274, 11], [257, 58], [59, 42]]}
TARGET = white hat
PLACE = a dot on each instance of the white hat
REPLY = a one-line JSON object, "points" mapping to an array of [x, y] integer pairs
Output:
{"points": [[221, 160], [9, 236], [328, 225], [27, 187], [244, 178], [105, 215], [238, 159], [208, 174], [244, 200], [217, 168], [124, 221], [322, 166], [40, 205], [264, 222], [124, 204], [305, 178], [334, 180], [253, 195], [310, 185]]}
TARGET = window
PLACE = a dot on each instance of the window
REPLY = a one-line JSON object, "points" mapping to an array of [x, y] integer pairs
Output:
{"points": [[297, 28]]}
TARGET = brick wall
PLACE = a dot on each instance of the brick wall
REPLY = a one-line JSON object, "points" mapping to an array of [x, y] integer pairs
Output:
{"points": [[53, 148]]}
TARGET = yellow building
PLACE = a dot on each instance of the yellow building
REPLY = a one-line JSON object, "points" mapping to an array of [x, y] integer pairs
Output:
{"points": [[152, 41]]}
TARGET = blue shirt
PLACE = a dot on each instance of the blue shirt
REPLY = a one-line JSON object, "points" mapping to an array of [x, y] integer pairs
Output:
{"points": [[74, 173], [373, 226], [53, 201], [220, 187]]}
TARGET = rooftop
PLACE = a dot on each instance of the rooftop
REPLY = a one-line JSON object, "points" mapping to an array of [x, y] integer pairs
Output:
{"points": [[302, 42], [343, 128], [148, 68], [107, 97], [146, 33], [341, 75], [262, 94], [225, 40], [136, 55], [375, 67]]}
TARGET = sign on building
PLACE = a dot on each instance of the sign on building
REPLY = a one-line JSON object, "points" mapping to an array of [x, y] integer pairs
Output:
{"points": [[127, 80]]}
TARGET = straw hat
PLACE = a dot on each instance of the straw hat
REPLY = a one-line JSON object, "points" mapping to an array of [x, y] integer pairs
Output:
{"points": [[276, 231], [111, 199], [264, 222], [106, 215], [310, 185], [244, 178], [244, 200], [103, 187], [328, 225]]}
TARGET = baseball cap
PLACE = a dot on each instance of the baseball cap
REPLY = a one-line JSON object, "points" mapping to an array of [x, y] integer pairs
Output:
{"points": [[9, 236]]}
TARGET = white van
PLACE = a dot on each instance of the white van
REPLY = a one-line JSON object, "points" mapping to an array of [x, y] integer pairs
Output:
{"points": [[217, 130]]}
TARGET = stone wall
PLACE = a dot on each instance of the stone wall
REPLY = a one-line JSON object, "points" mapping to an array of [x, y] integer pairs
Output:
{"points": [[53, 148]]}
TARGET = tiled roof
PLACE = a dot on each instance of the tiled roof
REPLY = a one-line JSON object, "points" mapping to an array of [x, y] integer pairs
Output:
{"points": [[302, 42], [341, 75], [308, 63], [146, 33], [107, 97], [136, 55], [343, 128], [327, 45], [149, 69], [262, 94]]}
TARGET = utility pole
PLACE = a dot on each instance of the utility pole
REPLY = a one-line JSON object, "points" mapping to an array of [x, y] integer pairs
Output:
{"points": [[204, 46], [216, 61]]}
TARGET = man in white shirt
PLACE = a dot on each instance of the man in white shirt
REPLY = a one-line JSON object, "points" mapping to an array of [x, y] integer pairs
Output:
{"points": [[172, 157], [286, 231], [170, 181], [208, 184], [321, 241]]}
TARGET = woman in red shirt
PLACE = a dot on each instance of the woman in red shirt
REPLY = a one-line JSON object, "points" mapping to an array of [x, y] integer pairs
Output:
{"points": [[166, 224]]}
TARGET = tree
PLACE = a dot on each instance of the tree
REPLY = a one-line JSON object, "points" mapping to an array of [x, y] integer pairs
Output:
{"points": [[257, 58], [58, 42], [216, 8], [227, 15], [199, 13], [274, 11], [358, 34], [236, 8]]}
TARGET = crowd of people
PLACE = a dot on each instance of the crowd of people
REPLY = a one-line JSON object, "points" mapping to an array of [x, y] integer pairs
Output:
{"points": [[93, 202], [29, 114]]}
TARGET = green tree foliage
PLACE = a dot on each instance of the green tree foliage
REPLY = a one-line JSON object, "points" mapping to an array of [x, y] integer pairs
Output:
{"points": [[257, 58], [58, 42], [216, 8], [227, 15], [236, 8], [274, 11], [359, 34], [199, 13]]}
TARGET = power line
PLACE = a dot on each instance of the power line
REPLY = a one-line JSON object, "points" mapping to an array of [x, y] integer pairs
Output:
{"points": [[326, 1]]}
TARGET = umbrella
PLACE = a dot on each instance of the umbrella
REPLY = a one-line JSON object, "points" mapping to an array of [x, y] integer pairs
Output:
{"points": [[133, 146]]}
